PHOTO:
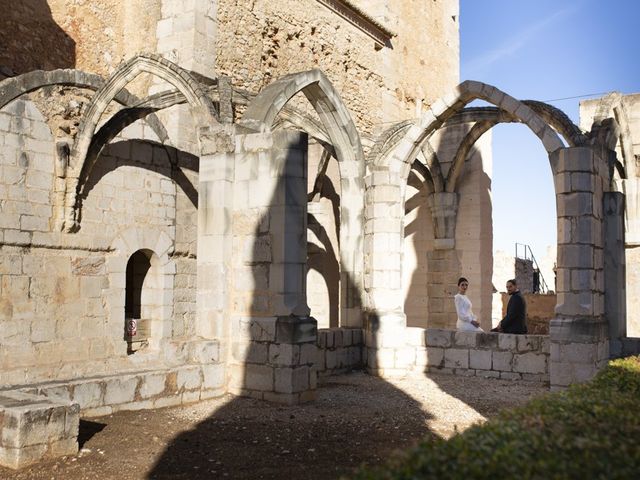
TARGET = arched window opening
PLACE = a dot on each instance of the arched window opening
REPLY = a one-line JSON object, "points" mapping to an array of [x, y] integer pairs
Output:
{"points": [[138, 301]]}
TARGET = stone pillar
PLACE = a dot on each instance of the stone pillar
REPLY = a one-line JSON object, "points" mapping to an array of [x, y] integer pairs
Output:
{"points": [[631, 188], [614, 265], [579, 332], [443, 264], [215, 210], [273, 337], [186, 35], [385, 321]]}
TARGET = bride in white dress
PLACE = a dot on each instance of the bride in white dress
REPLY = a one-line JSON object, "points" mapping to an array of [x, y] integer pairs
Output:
{"points": [[467, 321]]}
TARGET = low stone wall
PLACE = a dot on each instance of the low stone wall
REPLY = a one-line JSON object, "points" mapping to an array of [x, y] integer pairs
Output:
{"points": [[42, 420], [33, 428], [497, 355], [624, 347], [339, 350], [137, 391]]}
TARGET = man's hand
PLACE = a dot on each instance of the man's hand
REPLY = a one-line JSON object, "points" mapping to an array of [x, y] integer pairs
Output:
{"points": [[475, 324]]}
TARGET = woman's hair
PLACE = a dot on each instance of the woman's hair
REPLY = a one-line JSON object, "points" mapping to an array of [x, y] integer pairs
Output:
{"points": [[462, 279]]}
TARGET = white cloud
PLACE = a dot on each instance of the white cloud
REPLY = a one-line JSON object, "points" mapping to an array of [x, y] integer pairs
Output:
{"points": [[481, 64]]}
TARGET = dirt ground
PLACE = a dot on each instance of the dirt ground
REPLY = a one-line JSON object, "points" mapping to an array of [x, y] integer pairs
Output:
{"points": [[357, 419]]}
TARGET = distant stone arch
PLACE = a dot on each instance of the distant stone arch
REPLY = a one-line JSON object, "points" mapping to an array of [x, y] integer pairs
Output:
{"points": [[401, 157], [343, 135], [612, 106]]}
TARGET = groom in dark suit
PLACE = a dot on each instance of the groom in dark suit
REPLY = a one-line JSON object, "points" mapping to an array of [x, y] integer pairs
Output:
{"points": [[515, 319]]}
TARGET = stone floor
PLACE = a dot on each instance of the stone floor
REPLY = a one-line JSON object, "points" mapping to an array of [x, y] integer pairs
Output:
{"points": [[357, 419]]}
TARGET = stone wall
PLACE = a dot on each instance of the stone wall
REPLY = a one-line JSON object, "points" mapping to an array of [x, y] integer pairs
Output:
{"points": [[63, 296], [495, 355], [340, 350], [258, 41], [629, 115]]}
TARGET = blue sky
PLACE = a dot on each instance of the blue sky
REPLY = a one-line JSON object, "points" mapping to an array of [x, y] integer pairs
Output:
{"points": [[543, 50]]}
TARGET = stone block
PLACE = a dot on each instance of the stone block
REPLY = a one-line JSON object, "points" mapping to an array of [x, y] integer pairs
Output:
{"points": [[487, 340], [578, 352], [213, 376], [189, 378], [456, 358], [89, 394], [501, 361], [152, 385], [258, 377], [308, 354], [507, 341], [480, 359], [435, 356], [528, 343], [120, 390], [293, 329], [439, 337], [250, 352], [465, 339], [284, 354], [488, 373], [530, 363], [405, 357], [292, 380]]}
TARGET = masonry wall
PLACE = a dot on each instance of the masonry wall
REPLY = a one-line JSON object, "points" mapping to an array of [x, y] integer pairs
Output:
{"points": [[258, 41], [62, 295], [631, 105]]}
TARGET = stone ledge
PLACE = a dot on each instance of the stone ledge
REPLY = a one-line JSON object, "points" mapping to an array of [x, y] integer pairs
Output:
{"points": [[34, 427]]}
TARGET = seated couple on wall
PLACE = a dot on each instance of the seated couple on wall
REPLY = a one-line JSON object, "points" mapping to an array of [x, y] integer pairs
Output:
{"points": [[513, 322]]}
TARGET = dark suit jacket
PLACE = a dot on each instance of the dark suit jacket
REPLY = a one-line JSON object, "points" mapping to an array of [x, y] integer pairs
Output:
{"points": [[515, 320]]}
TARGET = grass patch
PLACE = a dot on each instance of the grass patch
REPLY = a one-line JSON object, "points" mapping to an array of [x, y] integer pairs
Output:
{"points": [[589, 431]]}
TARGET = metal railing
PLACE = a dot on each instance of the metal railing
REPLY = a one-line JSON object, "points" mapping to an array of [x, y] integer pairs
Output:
{"points": [[539, 284]]}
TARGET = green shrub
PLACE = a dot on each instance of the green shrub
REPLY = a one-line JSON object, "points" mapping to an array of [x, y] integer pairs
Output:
{"points": [[589, 431]]}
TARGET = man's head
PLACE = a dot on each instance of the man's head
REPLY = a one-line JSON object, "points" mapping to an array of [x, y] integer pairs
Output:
{"points": [[512, 286]]}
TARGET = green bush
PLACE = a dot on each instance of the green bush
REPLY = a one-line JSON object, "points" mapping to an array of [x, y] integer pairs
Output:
{"points": [[590, 431]]}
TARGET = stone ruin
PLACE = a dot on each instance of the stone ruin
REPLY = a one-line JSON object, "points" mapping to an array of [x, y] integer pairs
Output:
{"points": [[158, 250]]}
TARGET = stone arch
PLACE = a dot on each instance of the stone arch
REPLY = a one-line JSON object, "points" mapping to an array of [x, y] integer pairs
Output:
{"points": [[401, 157], [614, 104], [153, 64], [14, 87], [487, 117], [125, 245], [261, 114]]}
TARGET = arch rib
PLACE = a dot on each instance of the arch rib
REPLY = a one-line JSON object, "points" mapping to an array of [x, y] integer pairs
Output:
{"points": [[153, 64], [442, 110]]}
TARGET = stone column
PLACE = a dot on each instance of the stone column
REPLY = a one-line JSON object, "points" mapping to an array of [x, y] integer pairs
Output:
{"points": [[614, 265], [444, 262], [273, 337], [631, 188], [215, 210], [385, 321], [186, 35], [579, 332]]}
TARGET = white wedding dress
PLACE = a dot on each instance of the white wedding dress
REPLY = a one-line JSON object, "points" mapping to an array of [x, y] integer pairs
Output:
{"points": [[465, 314]]}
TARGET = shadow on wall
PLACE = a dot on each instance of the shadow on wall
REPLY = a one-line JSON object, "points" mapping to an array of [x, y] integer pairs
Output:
{"points": [[416, 303], [32, 40], [348, 424], [154, 157]]}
